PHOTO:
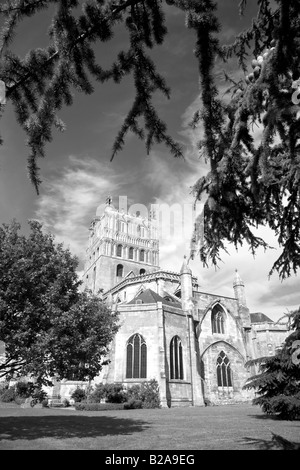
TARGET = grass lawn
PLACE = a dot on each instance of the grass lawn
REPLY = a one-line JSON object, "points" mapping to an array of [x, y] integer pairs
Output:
{"points": [[228, 427]]}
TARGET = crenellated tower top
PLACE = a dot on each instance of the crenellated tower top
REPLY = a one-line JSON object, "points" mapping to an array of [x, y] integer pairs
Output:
{"points": [[119, 243]]}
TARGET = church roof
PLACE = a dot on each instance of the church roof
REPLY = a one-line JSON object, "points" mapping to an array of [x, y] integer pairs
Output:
{"points": [[148, 296], [160, 274], [259, 317]]}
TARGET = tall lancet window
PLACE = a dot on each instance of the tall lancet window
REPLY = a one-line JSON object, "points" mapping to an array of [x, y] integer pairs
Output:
{"points": [[136, 360], [119, 250], [176, 359], [218, 319], [130, 253], [224, 376], [119, 270]]}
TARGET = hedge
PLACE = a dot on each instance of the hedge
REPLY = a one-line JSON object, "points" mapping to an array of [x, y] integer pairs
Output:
{"points": [[98, 406]]}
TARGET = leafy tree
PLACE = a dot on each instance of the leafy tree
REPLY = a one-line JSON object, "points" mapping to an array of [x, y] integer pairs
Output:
{"points": [[278, 380], [252, 181], [48, 326]]}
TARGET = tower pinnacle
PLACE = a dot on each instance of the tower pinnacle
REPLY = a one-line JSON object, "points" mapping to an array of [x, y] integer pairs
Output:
{"points": [[238, 280], [185, 269], [239, 290]]}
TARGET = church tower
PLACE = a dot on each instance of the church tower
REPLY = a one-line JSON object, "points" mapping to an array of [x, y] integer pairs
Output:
{"points": [[119, 243]]}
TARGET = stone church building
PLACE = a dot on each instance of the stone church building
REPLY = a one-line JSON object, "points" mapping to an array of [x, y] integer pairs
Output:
{"points": [[194, 343]]}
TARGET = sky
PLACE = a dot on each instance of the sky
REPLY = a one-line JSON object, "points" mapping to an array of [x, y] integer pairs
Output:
{"points": [[77, 173]]}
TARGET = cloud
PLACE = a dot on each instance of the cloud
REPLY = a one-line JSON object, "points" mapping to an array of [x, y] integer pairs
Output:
{"points": [[287, 295], [265, 294], [171, 181], [69, 200]]}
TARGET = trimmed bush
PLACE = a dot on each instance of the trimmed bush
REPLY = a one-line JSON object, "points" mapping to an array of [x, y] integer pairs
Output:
{"points": [[79, 395], [133, 404], [98, 406], [114, 393]]}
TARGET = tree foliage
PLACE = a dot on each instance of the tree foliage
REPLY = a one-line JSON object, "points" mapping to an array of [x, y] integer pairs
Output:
{"points": [[253, 180], [278, 380], [48, 326]]}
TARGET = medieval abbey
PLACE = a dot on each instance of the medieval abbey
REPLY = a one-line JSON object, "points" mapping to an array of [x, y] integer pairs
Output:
{"points": [[194, 343]]}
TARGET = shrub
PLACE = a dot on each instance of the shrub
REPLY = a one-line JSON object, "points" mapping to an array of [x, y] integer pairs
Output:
{"points": [[79, 394], [134, 392], [133, 404], [150, 394], [45, 403], [147, 393], [24, 389], [20, 400], [8, 395], [66, 403], [39, 394], [114, 393], [97, 394], [3, 387], [98, 406], [207, 402]]}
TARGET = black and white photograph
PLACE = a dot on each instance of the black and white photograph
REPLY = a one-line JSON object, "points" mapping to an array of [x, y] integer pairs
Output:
{"points": [[149, 228]]}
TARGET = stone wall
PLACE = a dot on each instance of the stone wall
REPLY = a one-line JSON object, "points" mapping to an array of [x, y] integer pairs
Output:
{"points": [[216, 394], [267, 337]]}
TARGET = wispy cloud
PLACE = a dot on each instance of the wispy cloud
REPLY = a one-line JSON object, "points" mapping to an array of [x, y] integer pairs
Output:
{"points": [[69, 200]]}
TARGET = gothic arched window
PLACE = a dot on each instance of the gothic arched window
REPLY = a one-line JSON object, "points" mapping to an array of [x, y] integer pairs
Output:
{"points": [[130, 253], [142, 255], [176, 360], [119, 250], [142, 271], [136, 360], [217, 319], [120, 270], [223, 371]]}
